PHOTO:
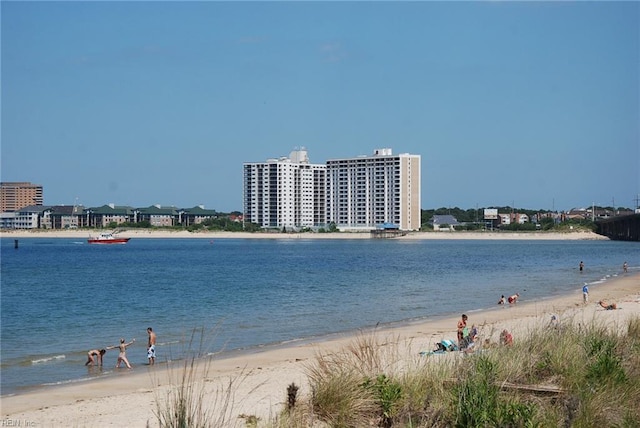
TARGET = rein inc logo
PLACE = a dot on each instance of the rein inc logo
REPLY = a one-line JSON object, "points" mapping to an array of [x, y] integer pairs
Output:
{"points": [[17, 423]]}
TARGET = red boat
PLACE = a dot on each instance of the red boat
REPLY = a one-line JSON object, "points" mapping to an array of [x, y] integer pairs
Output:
{"points": [[107, 238]]}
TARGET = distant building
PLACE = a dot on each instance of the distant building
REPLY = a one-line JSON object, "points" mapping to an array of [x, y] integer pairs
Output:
{"points": [[17, 195], [8, 220], [31, 217], [596, 213], [513, 218], [157, 215], [109, 214], [76, 216], [444, 222], [196, 215], [288, 192], [367, 191], [63, 217]]}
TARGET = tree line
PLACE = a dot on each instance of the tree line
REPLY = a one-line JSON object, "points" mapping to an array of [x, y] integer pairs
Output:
{"points": [[470, 219]]}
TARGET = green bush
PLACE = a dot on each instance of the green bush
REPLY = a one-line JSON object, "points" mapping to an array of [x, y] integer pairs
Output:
{"points": [[388, 393]]}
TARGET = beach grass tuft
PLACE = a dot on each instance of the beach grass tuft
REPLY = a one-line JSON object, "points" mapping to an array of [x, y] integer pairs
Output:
{"points": [[187, 402]]}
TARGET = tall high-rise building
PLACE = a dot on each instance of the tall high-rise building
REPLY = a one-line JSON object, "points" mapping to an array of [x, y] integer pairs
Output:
{"points": [[17, 195], [285, 192], [365, 192]]}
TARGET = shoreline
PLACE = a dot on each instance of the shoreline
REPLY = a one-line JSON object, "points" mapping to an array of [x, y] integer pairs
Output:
{"points": [[166, 234], [262, 376]]}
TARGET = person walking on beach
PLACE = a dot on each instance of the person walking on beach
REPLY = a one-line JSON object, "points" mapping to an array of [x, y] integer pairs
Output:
{"points": [[585, 293], [462, 326], [625, 267], [581, 266], [122, 356], [151, 346]]}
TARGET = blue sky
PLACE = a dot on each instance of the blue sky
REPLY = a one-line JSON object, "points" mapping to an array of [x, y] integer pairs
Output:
{"points": [[530, 104]]}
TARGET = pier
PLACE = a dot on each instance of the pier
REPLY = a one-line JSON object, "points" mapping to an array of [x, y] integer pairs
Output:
{"points": [[387, 230], [387, 233], [621, 228]]}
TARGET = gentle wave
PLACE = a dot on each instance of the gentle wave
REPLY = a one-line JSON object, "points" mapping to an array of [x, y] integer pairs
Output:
{"points": [[69, 381], [47, 359]]}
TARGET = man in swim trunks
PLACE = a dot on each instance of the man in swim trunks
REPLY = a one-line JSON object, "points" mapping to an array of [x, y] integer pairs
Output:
{"points": [[151, 346]]}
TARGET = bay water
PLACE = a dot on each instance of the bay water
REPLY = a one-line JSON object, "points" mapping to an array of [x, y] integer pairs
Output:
{"points": [[62, 297]]}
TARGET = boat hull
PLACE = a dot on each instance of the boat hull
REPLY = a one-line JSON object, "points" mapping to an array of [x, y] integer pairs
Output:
{"points": [[108, 241]]}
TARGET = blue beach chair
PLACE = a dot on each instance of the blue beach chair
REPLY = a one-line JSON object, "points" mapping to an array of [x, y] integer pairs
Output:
{"points": [[444, 346]]}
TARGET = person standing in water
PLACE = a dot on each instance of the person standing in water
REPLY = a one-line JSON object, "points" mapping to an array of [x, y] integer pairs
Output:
{"points": [[95, 357], [151, 346], [122, 356]]}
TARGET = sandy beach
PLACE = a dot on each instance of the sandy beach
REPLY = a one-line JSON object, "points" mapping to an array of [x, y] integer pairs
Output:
{"points": [[260, 379], [145, 233]]}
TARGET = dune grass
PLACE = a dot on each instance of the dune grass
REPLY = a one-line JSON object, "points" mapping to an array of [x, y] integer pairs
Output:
{"points": [[575, 376], [188, 401]]}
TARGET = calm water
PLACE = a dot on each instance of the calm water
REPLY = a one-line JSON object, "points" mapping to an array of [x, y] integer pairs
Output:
{"points": [[62, 297]]}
